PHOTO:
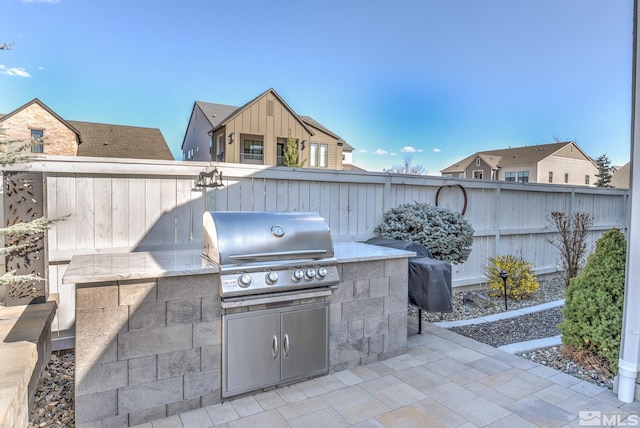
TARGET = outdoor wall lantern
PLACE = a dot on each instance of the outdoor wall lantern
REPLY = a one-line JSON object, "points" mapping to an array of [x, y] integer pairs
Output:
{"points": [[304, 144], [232, 137], [504, 277]]}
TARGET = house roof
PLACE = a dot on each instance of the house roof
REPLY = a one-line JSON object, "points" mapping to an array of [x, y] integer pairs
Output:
{"points": [[114, 141], [220, 114], [119, 141], [512, 156]]}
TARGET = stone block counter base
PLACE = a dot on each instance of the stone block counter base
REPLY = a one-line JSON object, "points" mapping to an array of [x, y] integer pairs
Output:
{"points": [[149, 328]]}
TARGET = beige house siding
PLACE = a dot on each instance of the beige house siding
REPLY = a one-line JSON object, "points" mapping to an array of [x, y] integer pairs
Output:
{"points": [[334, 150], [59, 139], [576, 168], [570, 151]]}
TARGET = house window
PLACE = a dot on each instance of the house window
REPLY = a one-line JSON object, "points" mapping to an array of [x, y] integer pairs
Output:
{"points": [[509, 176], [478, 175], [280, 149], [586, 179], [324, 155], [566, 177], [313, 155], [523, 176], [252, 151], [550, 176], [37, 141], [477, 161]]}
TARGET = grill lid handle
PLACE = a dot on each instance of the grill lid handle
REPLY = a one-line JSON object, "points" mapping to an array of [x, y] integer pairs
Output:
{"points": [[277, 254]]}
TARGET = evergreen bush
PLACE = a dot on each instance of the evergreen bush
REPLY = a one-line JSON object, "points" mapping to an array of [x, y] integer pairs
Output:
{"points": [[521, 281], [445, 233], [594, 299]]}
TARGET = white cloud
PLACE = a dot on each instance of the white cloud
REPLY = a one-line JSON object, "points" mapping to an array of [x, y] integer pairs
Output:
{"points": [[14, 71], [409, 149], [381, 152], [436, 150], [393, 154], [363, 151]]}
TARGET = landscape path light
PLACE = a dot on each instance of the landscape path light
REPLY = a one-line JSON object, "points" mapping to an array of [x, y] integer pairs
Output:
{"points": [[504, 277]]}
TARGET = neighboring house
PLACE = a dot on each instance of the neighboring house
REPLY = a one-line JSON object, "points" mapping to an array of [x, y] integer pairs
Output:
{"points": [[559, 163], [620, 176], [50, 134], [257, 133]]}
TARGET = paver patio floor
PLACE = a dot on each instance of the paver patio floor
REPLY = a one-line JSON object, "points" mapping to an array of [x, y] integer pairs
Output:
{"points": [[444, 380]]}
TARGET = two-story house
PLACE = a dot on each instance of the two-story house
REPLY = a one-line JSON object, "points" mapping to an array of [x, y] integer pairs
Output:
{"points": [[257, 133], [47, 133], [560, 163]]}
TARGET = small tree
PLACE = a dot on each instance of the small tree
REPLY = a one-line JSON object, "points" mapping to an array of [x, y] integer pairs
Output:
{"points": [[571, 240], [604, 171], [406, 168], [24, 236], [291, 153]]}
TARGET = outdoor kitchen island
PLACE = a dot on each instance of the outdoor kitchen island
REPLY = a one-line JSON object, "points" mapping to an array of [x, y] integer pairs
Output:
{"points": [[149, 327]]}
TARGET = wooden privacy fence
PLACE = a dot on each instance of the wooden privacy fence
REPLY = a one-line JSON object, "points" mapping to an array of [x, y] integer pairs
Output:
{"points": [[121, 205]]}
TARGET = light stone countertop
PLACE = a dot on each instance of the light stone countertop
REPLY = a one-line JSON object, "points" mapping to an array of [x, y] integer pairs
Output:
{"points": [[103, 267], [136, 265]]}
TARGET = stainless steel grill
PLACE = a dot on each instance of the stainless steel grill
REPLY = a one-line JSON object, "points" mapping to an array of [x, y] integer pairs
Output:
{"points": [[269, 252]]}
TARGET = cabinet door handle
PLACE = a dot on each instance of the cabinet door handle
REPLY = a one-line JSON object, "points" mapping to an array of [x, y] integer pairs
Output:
{"points": [[285, 345], [274, 347]]}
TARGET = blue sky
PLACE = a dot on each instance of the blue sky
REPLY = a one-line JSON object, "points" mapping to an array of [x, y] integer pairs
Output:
{"points": [[434, 79]]}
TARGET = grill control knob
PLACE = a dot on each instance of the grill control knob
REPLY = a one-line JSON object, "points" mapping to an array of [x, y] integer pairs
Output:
{"points": [[322, 272], [310, 274], [271, 278], [297, 275], [244, 280]]}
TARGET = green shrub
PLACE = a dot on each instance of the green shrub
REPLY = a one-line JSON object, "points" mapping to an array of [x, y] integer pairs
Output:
{"points": [[593, 304], [521, 281], [445, 233]]}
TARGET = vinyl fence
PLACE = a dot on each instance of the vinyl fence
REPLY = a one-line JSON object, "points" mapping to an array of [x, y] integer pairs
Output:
{"points": [[133, 205]]}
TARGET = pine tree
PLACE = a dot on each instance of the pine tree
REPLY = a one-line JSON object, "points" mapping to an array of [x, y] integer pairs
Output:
{"points": [[604, 171], [291, 153]]}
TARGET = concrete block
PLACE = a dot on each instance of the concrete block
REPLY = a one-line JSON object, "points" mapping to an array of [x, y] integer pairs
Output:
{"points": [[211, 357], [173, 364], [184, 311], [362, 270], [398, 321], [101, 321], [344, 365], [395, 303], [335, 313], [352, 351], [134, 293], [211, 399], [376, 344], [201, 383], [375, 326], [359, 309], [149, 395], [147, 415], [207, 334], [95, 407], [338, 333], [356, 329], [100, 296], [379, 287], [116, 421], [395, 342], [142, 370], [143, 343], [101, 377], [186, 287], [97, 350], [211, 310], [399, 284], [148, 315], [361, 289], [183, 406], [395, 267], [344, 292]]}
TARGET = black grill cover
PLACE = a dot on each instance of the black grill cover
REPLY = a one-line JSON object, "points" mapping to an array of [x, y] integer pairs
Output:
{"points": [[429, 279]]}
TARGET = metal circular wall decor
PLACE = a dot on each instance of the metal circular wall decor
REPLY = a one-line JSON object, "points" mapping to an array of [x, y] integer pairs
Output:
{"points": [[464, 194]]}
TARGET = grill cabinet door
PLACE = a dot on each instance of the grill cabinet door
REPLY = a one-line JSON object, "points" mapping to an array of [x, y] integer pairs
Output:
{"points": [[305, 342], [251, 359]]}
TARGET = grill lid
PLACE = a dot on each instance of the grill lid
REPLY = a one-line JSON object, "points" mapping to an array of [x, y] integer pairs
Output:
{"points": [[232, 238]]}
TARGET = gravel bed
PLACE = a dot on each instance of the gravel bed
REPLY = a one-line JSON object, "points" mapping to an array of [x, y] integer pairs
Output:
{"points": [[53, 405]]}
